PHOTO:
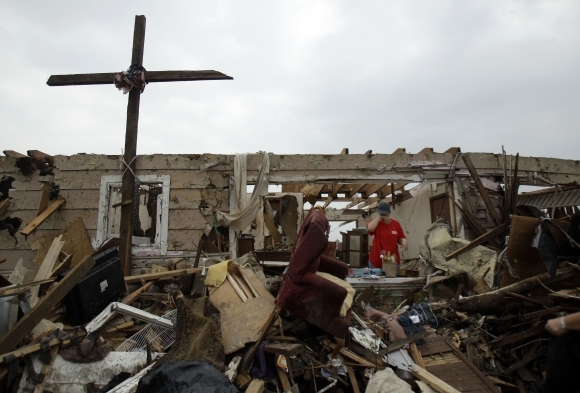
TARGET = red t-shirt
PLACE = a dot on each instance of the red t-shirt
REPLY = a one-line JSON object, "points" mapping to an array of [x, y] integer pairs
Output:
{"points": [[386, 237]]}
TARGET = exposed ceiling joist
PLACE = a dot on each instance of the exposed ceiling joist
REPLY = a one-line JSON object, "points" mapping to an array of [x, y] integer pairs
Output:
{"points": [[355, 201], [370, 189]]}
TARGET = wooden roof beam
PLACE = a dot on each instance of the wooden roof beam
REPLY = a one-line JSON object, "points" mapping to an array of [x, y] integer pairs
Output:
{"points": [[312, 192], [14, 154], [388, 189], [355, 201], [353, 189], [335, 190], [370, 189], [41, 157]]}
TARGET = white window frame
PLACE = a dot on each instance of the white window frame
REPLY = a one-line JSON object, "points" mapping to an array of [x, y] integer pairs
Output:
{"points": [[162, 210]]}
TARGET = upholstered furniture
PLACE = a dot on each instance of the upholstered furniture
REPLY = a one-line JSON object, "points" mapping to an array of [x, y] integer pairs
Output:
{"points": [[307, 295]]}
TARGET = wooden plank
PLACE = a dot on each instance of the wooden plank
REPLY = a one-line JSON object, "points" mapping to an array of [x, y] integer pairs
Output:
{"points": [[519, 248], [482, 191], [241, 283], [499, 382], [472, 354], [44, 199], [353, 380], [14, 154], [416, 355], [519, 337], [350, 355], [283, 379], [471, 366], [43, 217], [30, 349], [44, 305], [256, 386], [120, 327], [62, 267], [236, 287], [130, 298], [286, 349], [370, 189], [460, 377], [46, 368], [311, 192], [4, 206], [272, 228], [18, 289], [514, 187], [301, 168], [526, 298], [107, 78], [438, 359], [47, 267], [432, 381], [480, 240], [155, 276], [128, 179], [433, 347], [526, 360]]}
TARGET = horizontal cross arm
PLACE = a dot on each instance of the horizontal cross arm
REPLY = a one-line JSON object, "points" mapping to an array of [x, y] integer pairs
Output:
{"points": [[150, 77]]}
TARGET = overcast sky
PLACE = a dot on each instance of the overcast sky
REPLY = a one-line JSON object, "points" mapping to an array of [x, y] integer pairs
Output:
{"points": [[309, 76]]}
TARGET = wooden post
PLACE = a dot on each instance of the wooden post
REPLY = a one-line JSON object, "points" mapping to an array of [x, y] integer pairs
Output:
{"points": [[128, 182], [127, 187], [481, 189]]}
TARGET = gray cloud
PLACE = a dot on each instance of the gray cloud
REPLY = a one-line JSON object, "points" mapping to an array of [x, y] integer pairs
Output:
{"points": [[309, 77]]}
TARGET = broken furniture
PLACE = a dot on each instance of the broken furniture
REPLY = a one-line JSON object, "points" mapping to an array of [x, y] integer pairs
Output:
{"points": [[355, 248], [243, 301], [308, 295], [100, 320]]}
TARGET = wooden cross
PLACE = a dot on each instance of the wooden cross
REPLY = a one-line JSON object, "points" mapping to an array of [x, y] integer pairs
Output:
{"points": [[127, 188]]}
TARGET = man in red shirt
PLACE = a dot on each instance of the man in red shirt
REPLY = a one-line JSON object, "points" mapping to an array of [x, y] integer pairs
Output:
{"points": [[388, 235]]}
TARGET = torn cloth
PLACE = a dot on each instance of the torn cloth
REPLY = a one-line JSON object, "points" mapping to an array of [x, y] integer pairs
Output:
{"points": [[242, 218], [133, 77]]}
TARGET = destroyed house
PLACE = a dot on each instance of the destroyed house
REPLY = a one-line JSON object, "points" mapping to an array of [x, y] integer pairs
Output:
{"points": [[210, 241], [178, 196]]}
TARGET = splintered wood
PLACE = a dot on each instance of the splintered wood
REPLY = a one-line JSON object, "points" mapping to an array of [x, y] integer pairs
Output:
{"points": [[445, 362]]}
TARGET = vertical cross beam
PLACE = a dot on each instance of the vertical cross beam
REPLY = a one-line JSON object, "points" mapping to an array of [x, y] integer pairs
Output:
{"points": [[127, 187]]}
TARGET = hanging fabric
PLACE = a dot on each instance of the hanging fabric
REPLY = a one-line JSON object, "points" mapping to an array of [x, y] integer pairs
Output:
{"points": [[242, 218]]}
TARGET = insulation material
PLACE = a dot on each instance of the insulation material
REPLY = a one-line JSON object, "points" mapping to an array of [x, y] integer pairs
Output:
{"points": [[217, 274], [386, 381], [69, 377], [438, 243]]}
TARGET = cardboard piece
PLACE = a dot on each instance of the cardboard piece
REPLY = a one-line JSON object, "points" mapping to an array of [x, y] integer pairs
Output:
{"points": [[241, 321]]}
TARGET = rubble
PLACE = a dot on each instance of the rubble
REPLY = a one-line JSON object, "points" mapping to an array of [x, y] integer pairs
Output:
{"points": [[467, 314], [497, 338]]}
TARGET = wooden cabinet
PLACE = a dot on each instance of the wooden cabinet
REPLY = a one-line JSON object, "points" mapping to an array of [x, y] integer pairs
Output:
{"points": [[355, 248]]}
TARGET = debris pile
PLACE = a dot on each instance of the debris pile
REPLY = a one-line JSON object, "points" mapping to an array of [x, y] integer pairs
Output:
{"points": [[474, 322]]}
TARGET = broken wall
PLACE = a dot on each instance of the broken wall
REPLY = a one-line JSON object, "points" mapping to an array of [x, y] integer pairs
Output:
{"points": [[196, 180], [199, 179]]}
